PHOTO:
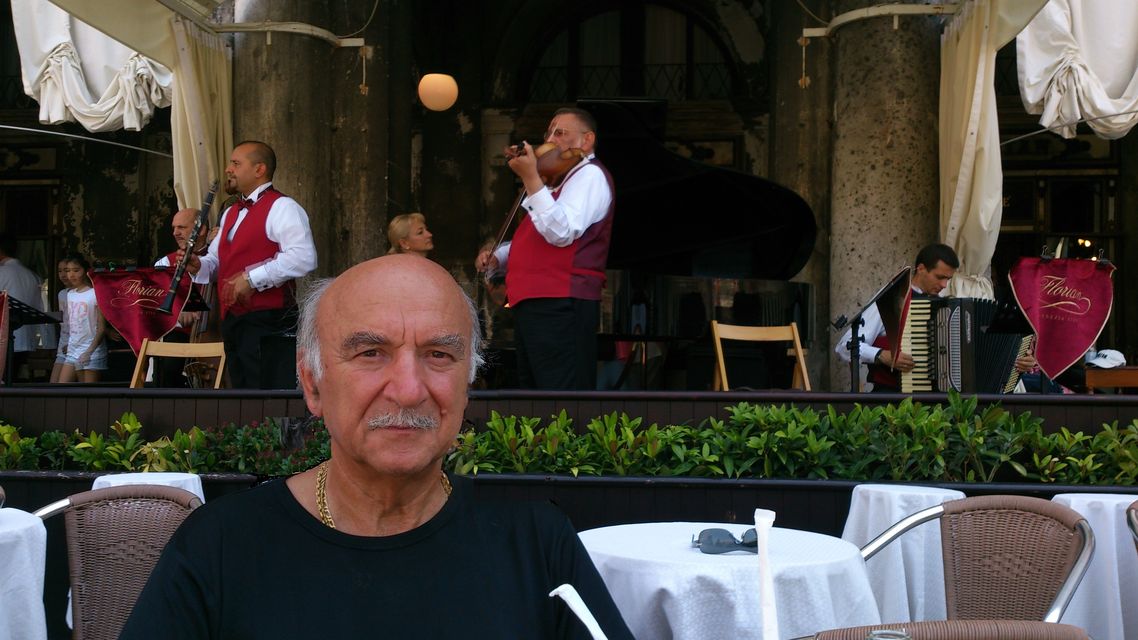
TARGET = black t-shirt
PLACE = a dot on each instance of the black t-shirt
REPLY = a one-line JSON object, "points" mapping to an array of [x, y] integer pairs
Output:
{"points": [[257, 565]]}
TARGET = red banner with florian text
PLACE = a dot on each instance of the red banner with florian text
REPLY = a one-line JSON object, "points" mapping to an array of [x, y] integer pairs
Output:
{"points": [[1067, 303], [129, 300]]}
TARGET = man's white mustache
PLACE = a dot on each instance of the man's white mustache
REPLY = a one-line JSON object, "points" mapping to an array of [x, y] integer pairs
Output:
{"points": [[403, 418]]}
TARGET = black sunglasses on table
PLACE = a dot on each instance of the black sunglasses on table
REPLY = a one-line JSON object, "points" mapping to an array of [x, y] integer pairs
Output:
{"points": [[723, 541]]}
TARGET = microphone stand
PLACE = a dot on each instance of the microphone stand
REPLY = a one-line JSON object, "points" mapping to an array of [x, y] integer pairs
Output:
{"points": [[854, 345]]}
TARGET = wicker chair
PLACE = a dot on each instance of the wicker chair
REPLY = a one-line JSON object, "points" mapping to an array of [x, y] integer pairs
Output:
{"points": [[966, 630], [114, 538], [1005, 557]]}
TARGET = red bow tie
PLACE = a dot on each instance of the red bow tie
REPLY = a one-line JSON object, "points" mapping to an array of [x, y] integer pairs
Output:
{"points": [[245, 203]]}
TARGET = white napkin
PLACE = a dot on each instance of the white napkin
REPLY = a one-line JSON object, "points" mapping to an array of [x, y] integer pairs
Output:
{"points": [[764, 520], [567, 593]]}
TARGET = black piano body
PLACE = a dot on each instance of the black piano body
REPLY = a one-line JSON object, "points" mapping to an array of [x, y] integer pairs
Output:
{"points": [[694, 242]]}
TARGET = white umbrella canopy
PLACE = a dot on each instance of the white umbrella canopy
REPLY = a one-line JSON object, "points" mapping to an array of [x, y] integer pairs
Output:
{"points": [[136, 56]]}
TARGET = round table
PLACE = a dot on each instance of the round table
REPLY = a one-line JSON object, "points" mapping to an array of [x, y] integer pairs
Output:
{"points": [[665, 588], [908, 574], [191, 482], [23, 552], [1106, 602]]}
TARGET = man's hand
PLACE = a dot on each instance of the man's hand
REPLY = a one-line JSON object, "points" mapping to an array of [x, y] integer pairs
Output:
{"points": [[187, 318], [1026, 363], [486, 262], [236, 290], [525, 166], [193, 265], [903, 361]]}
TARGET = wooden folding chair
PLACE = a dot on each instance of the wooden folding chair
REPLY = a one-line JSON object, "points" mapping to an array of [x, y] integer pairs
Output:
{"points": [[177, 350], [785, 333]]}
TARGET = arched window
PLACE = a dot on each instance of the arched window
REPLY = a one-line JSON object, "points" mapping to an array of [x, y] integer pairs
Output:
{"points": [[638, 50]]}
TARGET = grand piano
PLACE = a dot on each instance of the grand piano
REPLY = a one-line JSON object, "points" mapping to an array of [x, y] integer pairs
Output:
{"points": [[691, 243]]}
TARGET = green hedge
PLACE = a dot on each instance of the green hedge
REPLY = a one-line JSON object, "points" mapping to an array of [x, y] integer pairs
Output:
{"points": [[957, 442]]}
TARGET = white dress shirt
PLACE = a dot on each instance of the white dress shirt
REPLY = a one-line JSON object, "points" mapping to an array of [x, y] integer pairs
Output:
{"points": [[24, 285], [583, 201], [870, 331], [287, 225]]}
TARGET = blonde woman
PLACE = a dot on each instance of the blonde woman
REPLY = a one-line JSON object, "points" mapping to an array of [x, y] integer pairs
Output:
{"points": [[407, 233]]}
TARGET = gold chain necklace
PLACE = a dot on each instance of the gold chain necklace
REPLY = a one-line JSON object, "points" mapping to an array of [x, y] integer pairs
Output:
{"points": [[322, 496]]}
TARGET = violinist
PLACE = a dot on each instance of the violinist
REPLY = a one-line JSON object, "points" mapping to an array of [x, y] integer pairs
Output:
{"points": [[555, 265]]}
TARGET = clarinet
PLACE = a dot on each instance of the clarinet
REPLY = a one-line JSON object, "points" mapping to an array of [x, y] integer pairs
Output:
{"points": [[168, 303]]}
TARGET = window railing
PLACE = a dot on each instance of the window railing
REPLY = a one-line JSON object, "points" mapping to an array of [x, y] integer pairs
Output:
{"points": [[676, 82]]}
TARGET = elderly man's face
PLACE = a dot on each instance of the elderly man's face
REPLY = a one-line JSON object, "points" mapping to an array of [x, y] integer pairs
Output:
{"points": [[394, 336], [182, 225]]}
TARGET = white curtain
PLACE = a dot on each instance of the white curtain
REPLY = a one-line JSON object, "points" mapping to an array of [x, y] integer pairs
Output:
{"points": [[77, 74], [201, 120], [198, 90], [1078, 59], [971, 179]]}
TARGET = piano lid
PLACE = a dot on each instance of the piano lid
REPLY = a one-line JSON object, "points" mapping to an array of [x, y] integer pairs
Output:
{"points": [[676, 216]]}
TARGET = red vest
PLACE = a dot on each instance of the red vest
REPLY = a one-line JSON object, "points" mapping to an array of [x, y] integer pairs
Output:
{"points": [[538, 269], [250, 247], [880, 374]]}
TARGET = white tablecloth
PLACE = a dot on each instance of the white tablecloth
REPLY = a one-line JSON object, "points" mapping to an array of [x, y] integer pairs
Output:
{"points": [[189, 481], [907, 575], [1106, 604], [665, 588], [23, 552]]}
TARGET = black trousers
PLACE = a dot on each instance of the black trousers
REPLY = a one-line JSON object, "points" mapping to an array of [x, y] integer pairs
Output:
{"points": [[242, 335], [556, 340]]}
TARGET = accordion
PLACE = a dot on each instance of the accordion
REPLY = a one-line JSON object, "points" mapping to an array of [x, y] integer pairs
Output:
{"points": [[952, 348]]}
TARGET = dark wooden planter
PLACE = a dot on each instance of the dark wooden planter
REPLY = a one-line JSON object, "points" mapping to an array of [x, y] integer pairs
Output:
{"points": [[812, 505]]}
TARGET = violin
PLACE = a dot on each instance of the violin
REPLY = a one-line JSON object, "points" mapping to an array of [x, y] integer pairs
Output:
{"points": [[552, 164]]}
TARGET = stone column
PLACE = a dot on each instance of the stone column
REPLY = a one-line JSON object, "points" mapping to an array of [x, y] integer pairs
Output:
{"points": [[885, 190], [281, 96]]}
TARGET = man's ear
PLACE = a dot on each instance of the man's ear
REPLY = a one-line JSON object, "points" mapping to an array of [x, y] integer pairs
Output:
{"points": [[309, 385]]}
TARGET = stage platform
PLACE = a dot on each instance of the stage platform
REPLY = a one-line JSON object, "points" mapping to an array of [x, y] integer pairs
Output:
{"points": [[34, 409]]}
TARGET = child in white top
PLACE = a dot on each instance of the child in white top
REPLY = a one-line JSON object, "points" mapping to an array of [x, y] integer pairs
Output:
{"points": [[61, 349], [86, 350]]}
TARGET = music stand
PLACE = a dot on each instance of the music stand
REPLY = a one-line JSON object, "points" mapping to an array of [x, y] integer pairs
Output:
{"points": [[892, 302], [20, 315]]}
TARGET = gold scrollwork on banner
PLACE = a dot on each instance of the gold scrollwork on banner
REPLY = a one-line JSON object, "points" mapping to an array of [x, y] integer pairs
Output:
{"points": [[1064, 297], [133, 293]]}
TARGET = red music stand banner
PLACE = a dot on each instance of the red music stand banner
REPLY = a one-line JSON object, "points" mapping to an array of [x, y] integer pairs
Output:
{"points": [[1067, 302], [129, 300]]}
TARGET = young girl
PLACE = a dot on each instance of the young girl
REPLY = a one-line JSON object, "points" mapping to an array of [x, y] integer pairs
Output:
{"points": [[61, 351], [86, 351]]}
